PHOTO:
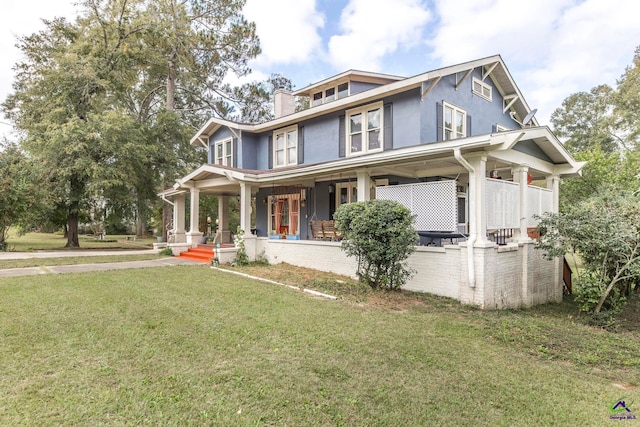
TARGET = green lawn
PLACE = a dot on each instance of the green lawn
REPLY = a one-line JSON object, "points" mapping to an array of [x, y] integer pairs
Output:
{"points": [[193, 346], [39, 262], [56, 241]]}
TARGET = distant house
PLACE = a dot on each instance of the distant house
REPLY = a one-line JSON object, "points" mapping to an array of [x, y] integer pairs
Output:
{"points": [[458, 145]]}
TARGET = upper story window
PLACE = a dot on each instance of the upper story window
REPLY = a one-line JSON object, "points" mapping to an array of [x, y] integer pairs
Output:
{"points": [[455, 122], [224, 152], [285, 146], [330, 94], [481, 89], [364, 129]]}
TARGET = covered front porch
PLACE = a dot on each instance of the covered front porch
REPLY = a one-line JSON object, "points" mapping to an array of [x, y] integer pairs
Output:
{"points": [[486, 187]]}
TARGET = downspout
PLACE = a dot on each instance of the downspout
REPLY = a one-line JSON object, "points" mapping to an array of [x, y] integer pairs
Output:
{"points": [[472, 217]]}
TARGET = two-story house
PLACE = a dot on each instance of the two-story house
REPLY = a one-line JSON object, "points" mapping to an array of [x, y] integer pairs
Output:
{"points": [[458, 145]]}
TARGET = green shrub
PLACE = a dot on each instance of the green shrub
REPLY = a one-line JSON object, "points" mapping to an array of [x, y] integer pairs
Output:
{"points": [[380, 234], [166, 252]]}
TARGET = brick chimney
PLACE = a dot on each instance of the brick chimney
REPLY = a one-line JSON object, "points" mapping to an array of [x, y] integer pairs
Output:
{"points": [[284, 103]]}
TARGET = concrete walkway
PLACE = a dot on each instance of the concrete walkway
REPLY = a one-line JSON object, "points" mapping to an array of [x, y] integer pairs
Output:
{"points": [[83, 268]]}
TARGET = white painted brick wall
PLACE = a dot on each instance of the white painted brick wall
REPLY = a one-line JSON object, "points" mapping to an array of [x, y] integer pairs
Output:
{"points": [[442, 271]]}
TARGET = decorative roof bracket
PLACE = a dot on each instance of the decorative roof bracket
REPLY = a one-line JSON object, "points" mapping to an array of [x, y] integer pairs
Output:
{"points": [[467, 74], [512, 100], [489, 71], [428, 86]]}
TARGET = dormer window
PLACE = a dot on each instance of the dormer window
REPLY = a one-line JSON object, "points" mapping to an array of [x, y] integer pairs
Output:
{"points": [[329, 94], [343, 90], [317, 99]]}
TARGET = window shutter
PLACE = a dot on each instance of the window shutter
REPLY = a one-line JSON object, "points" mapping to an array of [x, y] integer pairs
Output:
{"points": [[342, 143], [388, 127], [234, 152], [270, 154], [300, 145], [439, 122], [468, 125]]}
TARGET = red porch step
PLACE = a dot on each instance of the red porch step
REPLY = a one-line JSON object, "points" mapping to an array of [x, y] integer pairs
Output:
{"points": [[202, 253]]}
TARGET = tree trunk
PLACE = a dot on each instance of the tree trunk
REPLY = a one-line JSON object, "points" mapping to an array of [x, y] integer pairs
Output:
{"points": [[77, 187]]}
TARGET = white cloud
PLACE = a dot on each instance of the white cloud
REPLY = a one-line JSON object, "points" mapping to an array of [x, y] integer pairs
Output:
{"points": [[288, 29], [553, 47], [375, 28]]}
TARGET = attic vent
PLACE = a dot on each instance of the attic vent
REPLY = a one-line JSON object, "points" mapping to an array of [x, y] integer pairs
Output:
{"points": [[482, 89]]}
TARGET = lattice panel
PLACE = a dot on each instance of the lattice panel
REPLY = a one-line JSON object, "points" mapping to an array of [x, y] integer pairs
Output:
{"points": [[503, 204], [434, 204], [539, 201]]}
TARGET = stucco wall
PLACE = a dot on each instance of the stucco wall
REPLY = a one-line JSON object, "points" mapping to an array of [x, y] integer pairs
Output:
{"points": [[510, 276]]}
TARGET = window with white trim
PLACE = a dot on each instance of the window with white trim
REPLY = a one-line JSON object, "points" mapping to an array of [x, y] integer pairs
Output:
{"points": [[455, 122], [285, 147], [284, 214], [330, 94], [364, 129], [346, 192], [481, 89], [224, 152]]}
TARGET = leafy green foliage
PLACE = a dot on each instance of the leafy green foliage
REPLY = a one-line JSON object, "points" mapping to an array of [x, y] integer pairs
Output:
{"points": [[380, 234], [604, 231], [585, 120], [108, 102], [166, 252], [242, 258], [603, 169], [20, 192]]}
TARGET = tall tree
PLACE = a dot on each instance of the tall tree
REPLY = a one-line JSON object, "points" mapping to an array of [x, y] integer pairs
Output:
{"points": [[111, 99], [627, 102], [187, 48], [585, 120]]}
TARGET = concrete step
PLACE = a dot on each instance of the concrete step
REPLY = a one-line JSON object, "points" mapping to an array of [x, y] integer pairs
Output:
{"points": [[203, 253]]}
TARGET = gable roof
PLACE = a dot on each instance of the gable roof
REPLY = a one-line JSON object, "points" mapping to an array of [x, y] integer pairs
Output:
{"points": [[492, 67]]}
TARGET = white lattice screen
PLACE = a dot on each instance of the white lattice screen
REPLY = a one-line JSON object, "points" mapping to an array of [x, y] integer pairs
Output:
{"points": [[539, 201], [434, 204], [503, 204]]}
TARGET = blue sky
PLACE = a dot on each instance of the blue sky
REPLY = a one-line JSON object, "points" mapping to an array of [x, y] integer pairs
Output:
{"points": [[553, 48]]}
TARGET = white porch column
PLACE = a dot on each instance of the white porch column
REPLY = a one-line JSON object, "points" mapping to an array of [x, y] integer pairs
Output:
{"points": [[520, 175], [245, 208], [553, 183], [478, 199], [364, 180], [193, 236], [178, 219]]}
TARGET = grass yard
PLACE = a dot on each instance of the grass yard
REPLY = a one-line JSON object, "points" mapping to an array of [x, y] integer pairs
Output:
{"points": [[194, 346], [56, 241], [40, 262]]}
